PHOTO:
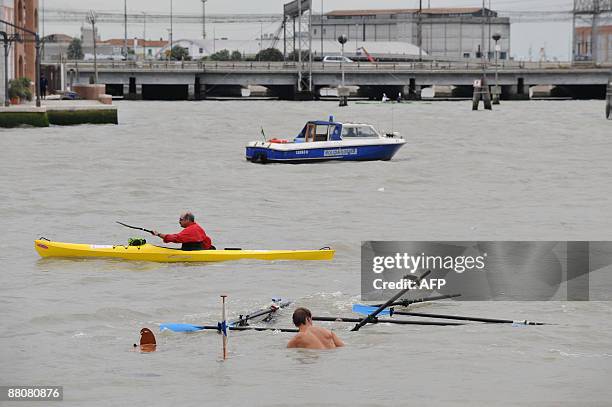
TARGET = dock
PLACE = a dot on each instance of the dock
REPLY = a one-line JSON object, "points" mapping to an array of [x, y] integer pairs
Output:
{"points": [[58, 112]]}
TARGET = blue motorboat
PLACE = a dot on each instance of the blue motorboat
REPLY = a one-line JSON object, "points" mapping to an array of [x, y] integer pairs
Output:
{"points": [[327, 141]]}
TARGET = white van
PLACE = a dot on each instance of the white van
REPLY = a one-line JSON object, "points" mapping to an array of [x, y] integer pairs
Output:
{"points": [[337, 60]]}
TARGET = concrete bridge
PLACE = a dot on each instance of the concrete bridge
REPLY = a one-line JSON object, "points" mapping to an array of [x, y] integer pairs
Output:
{"points": [[175, 80]]}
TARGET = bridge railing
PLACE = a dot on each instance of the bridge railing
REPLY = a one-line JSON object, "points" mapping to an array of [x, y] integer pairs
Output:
{"points": [[212, 66]]}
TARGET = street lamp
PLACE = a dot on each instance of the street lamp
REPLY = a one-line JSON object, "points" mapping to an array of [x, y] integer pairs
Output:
{"points": [[91, 19], [125, 40], [171, 31], [342, 91], [496, 93], [204, 19]]}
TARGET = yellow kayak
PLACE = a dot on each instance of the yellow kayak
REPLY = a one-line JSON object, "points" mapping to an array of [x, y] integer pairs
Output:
{"points": [[149, 252]]}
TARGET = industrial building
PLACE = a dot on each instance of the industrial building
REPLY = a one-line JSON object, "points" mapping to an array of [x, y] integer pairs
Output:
{"points": [[603, 42], [445, 32]]}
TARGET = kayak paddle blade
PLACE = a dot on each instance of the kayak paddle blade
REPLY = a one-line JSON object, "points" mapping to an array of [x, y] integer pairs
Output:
{"points": [[367, 310]]}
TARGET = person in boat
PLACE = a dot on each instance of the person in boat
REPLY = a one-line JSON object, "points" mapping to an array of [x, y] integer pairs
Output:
{"points": [[312, 337], [192, 237]]}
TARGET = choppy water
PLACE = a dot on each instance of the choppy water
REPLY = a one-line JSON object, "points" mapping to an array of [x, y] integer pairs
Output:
{"points": [[529, 170]]}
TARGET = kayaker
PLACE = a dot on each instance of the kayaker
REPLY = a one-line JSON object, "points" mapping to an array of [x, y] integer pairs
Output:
{"points": [[312, 337], [192, 237]]}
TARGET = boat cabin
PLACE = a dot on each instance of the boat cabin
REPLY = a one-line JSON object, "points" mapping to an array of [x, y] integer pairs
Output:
{"points": [[333, 131]]}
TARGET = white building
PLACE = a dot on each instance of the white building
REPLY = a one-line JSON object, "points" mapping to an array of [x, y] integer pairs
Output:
{"points": [[446, 32], [137, 48]]}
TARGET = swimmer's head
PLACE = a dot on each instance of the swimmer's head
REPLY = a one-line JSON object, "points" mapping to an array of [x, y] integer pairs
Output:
{"points": [[302, 316]]}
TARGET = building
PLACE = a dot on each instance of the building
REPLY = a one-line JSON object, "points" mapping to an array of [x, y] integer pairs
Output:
{"points": [[446, 32], [104, 50], [584, 48], [56, 47], [7, 13], [113, 48], [25, 15], [137, 47]]}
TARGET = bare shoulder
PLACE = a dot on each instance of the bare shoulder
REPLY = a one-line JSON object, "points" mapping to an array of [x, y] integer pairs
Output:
{"points": [[322, 331], [296, 341]]}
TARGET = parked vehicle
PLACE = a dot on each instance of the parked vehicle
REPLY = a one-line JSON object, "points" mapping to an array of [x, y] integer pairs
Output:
{"points": [[335, 59]]}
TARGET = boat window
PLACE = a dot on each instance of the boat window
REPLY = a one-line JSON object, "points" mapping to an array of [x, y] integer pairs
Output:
{"points": [[358, 131], [367, 131], [310, 132], [321, 134]]}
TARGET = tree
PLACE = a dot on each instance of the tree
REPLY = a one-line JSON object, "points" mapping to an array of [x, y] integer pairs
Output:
{"points": [[236, 56], [180, 53], [75, 49], [293, 56], [20, 88], [269, 54], [223, 55]]}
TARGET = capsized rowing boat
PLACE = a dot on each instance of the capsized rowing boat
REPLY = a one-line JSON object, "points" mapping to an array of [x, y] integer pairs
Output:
{"points": [[149, 252]]}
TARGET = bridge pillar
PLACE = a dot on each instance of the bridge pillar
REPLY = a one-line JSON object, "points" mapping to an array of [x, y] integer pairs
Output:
{"points": [[413, 92], [191, 92], [197, 91], [520, 91], [131, 92]]}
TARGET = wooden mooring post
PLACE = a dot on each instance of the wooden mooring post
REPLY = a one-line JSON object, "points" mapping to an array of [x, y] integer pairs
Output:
{"points": [[481, 92], [609, 100]]}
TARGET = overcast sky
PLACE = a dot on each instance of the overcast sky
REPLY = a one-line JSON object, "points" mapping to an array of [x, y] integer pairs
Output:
{"points": [[556, 37]]}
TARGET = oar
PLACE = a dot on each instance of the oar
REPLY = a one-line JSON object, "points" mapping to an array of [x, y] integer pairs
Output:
{"points": [[391, 300], [406, 302], [134, 227], [367, 310], [376, 320], [460, 318], [195, 328], [364, 309]]}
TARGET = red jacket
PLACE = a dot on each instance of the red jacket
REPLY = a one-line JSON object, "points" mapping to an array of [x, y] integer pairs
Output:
{"points": [[191, 234]]}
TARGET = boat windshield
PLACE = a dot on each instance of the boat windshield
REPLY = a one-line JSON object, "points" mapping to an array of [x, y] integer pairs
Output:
{"points": [[358, 130], [318, 132]]}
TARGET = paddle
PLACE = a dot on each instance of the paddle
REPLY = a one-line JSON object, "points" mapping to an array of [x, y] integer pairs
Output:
{"points": [[134, 227], [371, 316], [376, 320]]}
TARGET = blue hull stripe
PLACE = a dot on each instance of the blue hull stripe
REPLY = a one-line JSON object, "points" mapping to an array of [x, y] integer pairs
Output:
{"points": [[354, 153]]}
